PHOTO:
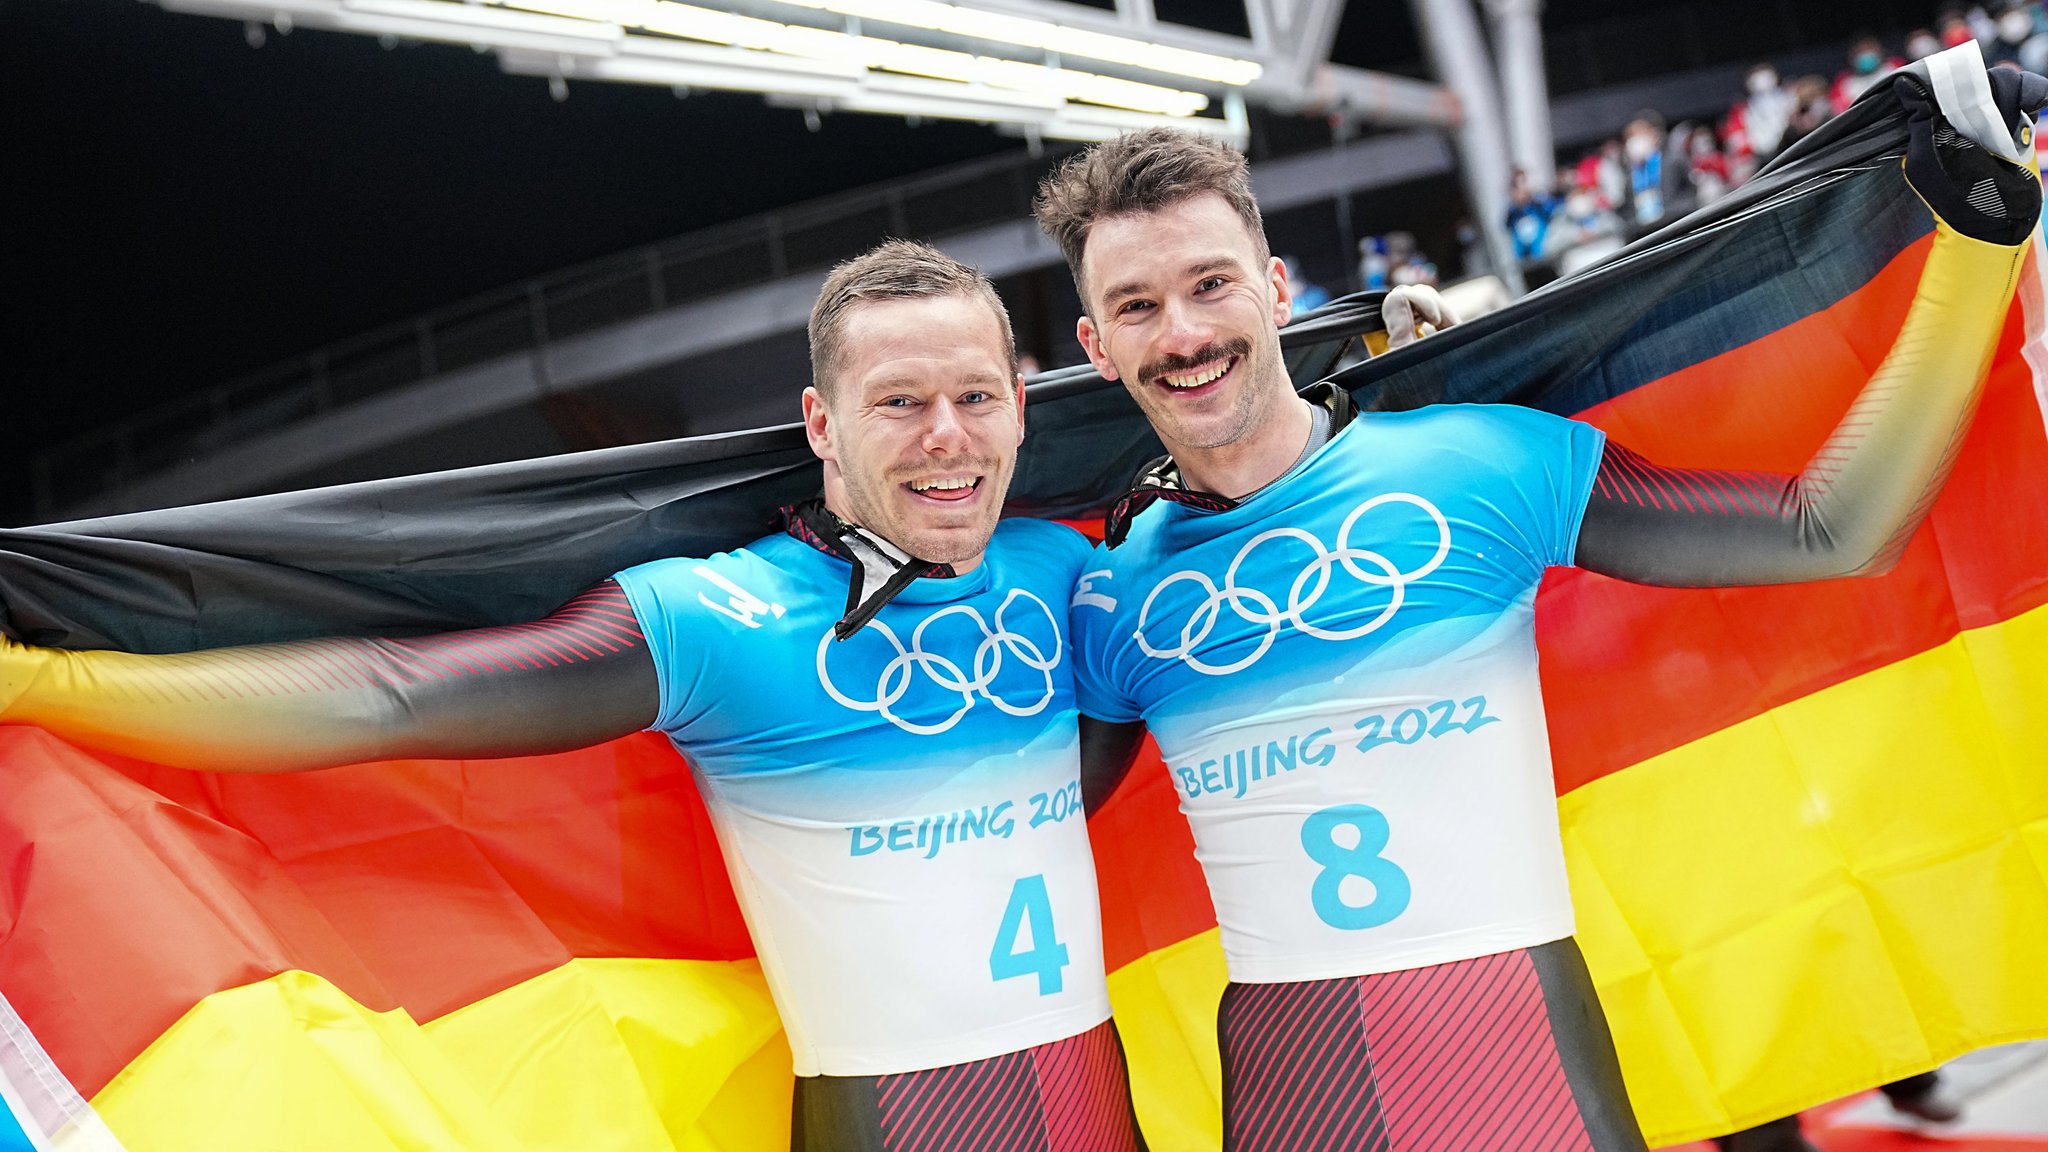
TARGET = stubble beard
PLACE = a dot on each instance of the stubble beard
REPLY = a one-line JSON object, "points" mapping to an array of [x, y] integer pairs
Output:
{"points": [[1203, 434], [869, 505]]}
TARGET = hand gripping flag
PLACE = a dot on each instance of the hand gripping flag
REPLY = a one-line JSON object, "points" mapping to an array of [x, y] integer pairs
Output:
{"points": [[1807, 826]]}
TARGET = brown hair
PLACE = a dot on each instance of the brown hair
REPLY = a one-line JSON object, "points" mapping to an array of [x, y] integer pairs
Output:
{"points": [[892, 270], [1141, 172]]}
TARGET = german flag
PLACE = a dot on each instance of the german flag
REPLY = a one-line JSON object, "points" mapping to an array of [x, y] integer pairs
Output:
{"points": [[1807, 826]]}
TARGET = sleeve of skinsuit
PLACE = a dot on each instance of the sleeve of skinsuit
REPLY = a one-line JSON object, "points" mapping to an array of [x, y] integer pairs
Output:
{"points": [[580, 676], [1108, 750], [1859, 500]]}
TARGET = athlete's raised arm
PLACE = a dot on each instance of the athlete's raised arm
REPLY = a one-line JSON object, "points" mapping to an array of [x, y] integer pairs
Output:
{"points": [[1859, 500], [579, 676]]}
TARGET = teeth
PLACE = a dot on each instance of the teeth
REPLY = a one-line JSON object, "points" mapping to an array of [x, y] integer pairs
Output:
{"points": [[1199, 378], [943, 485]]}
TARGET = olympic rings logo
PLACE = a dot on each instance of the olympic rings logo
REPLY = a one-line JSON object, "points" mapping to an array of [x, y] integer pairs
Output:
{"points": [[997, 645], [1257, 608]]}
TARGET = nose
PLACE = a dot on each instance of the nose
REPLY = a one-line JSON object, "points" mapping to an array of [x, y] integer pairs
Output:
{"points": [[944, 431], [1187, 327]]}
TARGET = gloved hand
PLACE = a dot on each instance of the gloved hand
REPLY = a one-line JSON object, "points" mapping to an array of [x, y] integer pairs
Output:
{"points": [[1974, 191], [1413, 311]]}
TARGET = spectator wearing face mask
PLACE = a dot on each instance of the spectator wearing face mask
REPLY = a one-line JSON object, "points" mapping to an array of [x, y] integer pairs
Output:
{"points": [[2020, 42], [1867, 65], [1920, 44], [1756, 127]]}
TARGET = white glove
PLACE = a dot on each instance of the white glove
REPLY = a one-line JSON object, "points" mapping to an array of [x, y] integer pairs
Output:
{"points": [[1413, 311]]}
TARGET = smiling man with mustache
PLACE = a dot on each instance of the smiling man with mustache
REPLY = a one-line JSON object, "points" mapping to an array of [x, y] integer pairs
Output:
{"points": [[1327, 619]]}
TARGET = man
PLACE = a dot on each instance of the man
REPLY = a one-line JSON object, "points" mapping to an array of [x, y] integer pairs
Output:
{"points": [[1326, 619], [877, 702]]}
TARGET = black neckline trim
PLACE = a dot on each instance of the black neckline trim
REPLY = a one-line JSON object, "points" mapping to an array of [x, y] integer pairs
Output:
{"points": [[821, 528], [1160, 479]]}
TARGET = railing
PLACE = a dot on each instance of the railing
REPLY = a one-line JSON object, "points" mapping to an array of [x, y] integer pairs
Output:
{"points": [[527, 317]]}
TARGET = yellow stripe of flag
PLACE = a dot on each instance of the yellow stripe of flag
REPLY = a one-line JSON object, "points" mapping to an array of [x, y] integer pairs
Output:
{"points": [[639, 1055], [1848, 888]]}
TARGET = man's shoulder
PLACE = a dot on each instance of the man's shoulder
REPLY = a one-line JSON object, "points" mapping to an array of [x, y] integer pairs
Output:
{"points": [[775, 583], [1455, 416], [775, 550], [1503, 430], [773, 558]]}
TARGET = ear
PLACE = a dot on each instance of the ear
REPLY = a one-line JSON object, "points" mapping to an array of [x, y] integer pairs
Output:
{"points": [[818, 424], [1020, 407], [1091, 343], [1283, 292]]}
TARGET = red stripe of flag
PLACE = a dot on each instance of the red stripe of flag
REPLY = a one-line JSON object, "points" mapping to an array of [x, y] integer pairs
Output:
{"points": [[1631, 672], [132, 861]]}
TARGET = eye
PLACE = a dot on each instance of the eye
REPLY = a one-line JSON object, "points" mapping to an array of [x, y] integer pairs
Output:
{"points": [[976, 398], [1129, 307], [1209, 284], [895, 402]]}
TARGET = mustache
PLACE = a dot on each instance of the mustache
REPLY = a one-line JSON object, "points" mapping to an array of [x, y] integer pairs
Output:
{"points": [[978, 466], [1170, 364]]}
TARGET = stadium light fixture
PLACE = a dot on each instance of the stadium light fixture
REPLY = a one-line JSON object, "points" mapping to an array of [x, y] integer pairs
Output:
{"points": [[973, 23], [414, 20], [1002, 28], [474, 16], [682, 45], [727, 28], [817, 86]]}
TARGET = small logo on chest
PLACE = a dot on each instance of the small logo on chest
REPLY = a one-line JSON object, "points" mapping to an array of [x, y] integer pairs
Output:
{"points": [[740, 605]]}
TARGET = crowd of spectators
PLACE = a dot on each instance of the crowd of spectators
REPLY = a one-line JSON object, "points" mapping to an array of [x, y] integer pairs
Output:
{"points": [[1651, 171]]}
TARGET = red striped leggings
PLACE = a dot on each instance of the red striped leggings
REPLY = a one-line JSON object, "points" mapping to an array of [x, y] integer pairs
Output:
{"points": [[1071, 1095], [1505, 1053]]}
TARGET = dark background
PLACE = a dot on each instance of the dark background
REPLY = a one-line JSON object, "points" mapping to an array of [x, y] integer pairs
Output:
{"points": [[181, 208]]}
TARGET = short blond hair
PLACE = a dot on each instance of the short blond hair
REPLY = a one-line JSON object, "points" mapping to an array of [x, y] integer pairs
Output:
{"points": [[1136, 173], [893, 270]]}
